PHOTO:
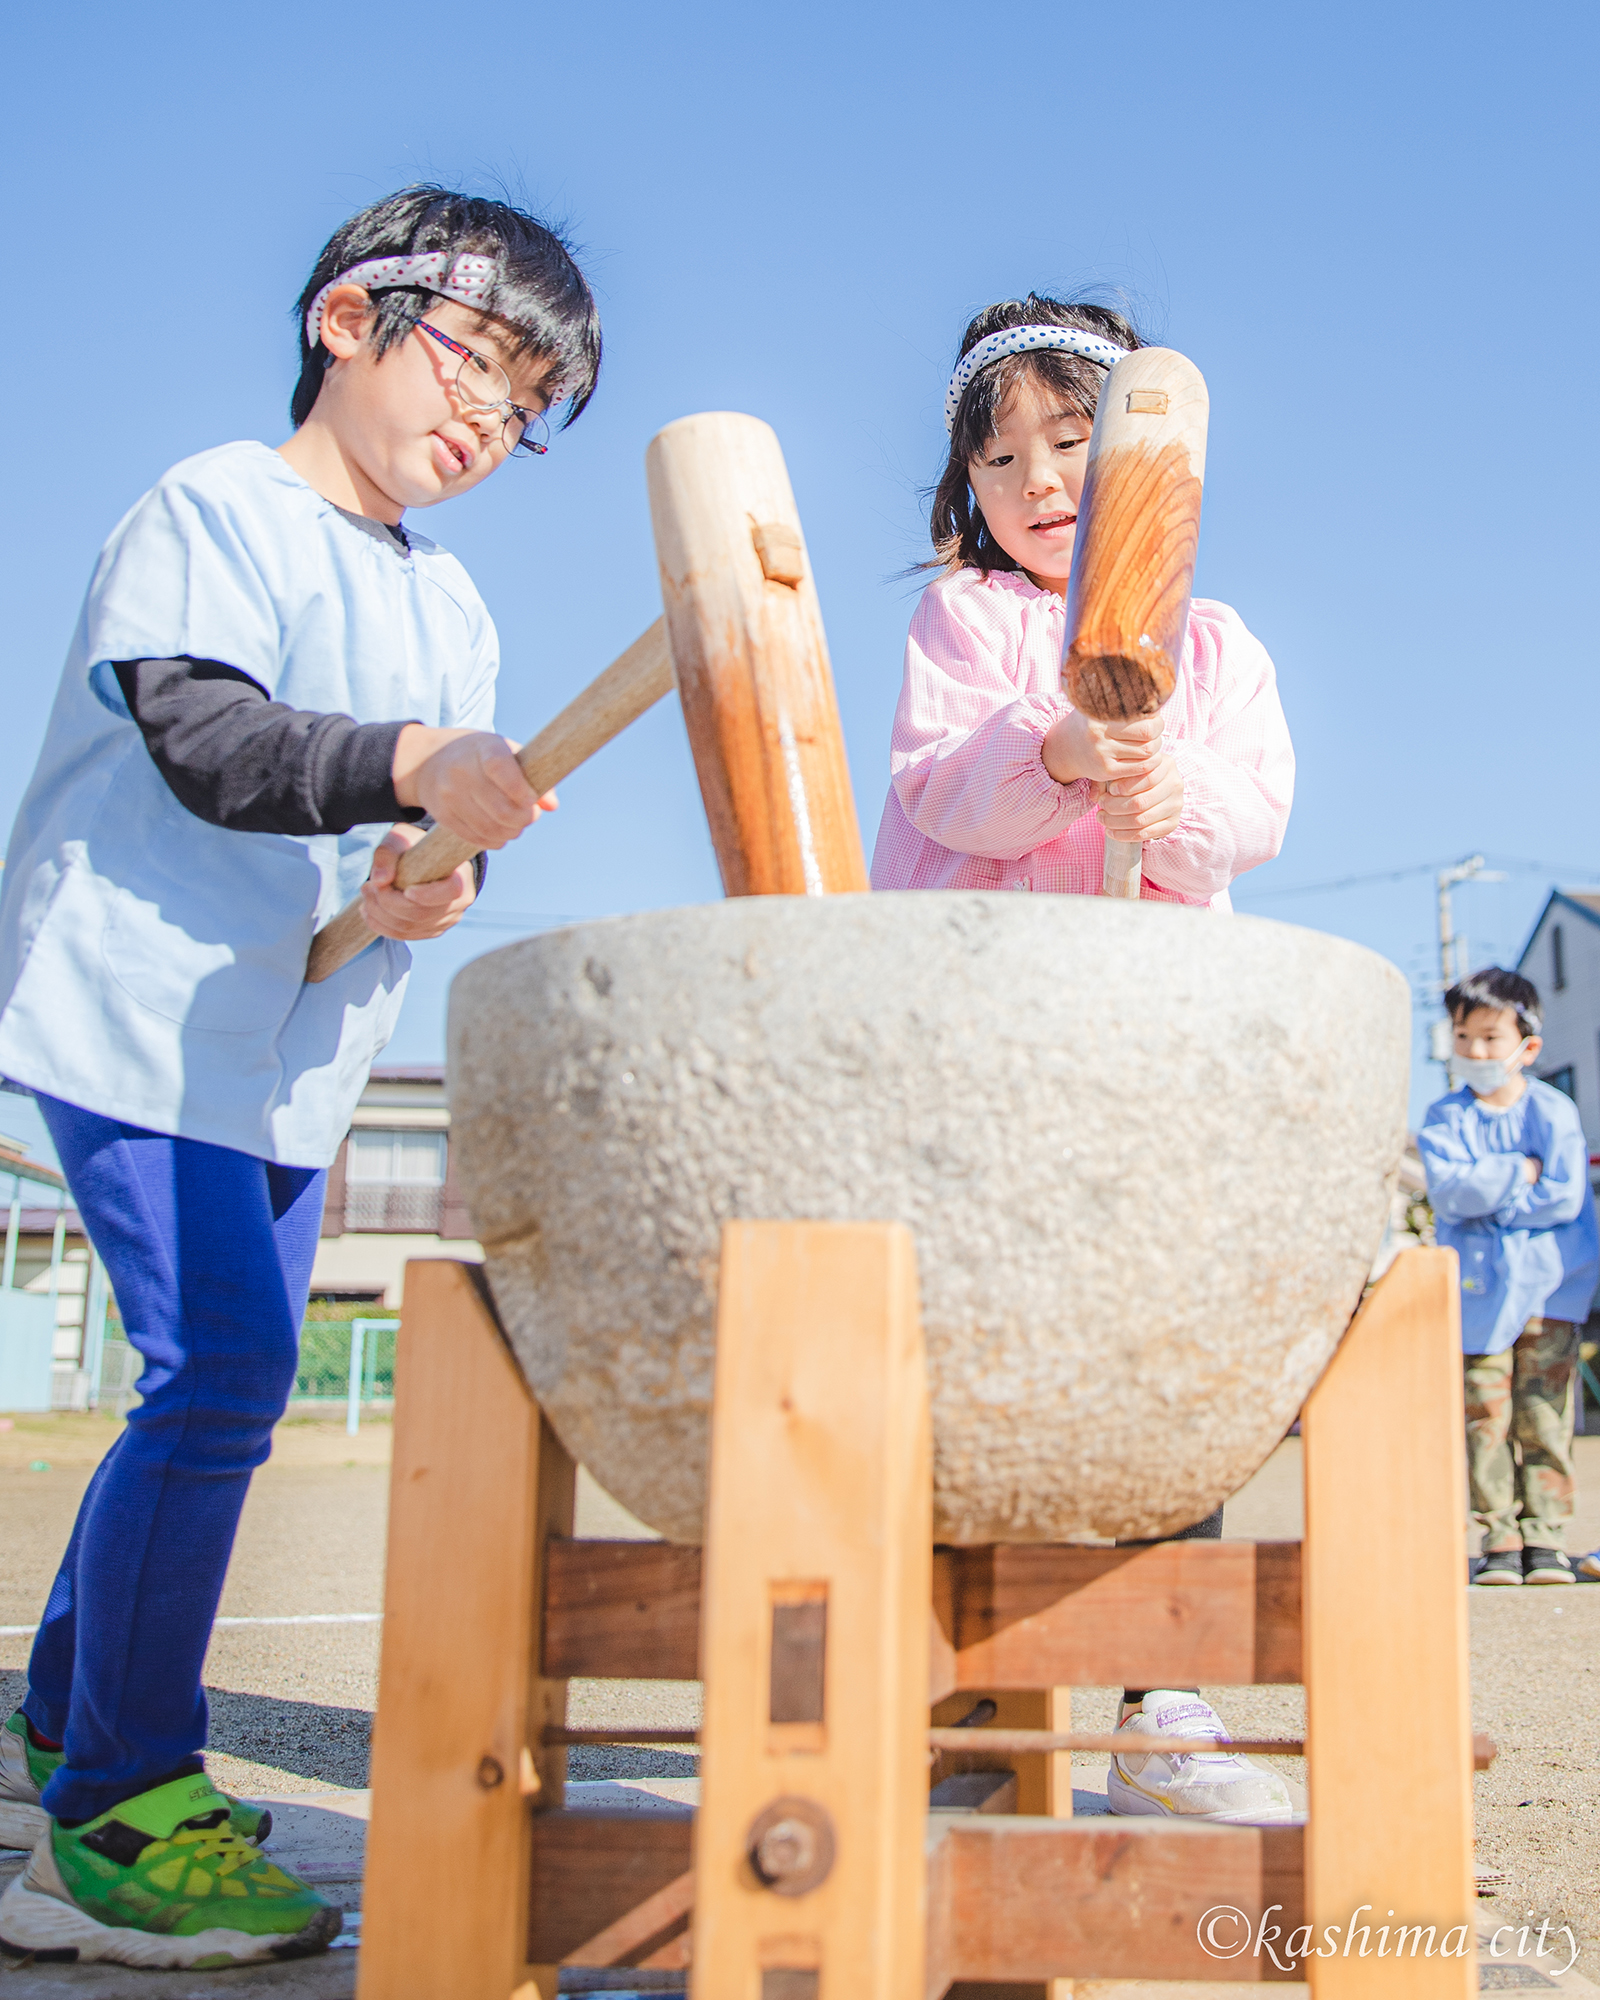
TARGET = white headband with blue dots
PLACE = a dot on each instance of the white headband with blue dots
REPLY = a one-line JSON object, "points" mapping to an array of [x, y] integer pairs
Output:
{"points": [[468, 280], [1020, 340]]}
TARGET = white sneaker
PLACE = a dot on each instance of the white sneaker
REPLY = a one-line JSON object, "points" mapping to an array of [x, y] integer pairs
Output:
{"points": [[1216, 1787]]}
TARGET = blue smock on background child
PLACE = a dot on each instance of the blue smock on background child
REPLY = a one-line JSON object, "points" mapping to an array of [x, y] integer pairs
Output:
{"points": [[1508, 1177]]}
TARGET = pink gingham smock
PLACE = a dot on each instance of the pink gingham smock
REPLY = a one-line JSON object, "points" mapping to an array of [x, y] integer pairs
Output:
{"points": [[971, 805]]}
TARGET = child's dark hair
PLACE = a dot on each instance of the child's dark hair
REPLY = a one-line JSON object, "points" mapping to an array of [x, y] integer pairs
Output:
{"points": [[960, 533], [1495, 987], [538, 290]]}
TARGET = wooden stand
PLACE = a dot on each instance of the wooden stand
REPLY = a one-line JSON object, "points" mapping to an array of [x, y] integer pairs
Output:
{"points": [[818, 1870]]}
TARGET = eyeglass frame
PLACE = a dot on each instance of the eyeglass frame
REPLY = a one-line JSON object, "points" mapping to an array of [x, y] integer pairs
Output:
{"points": [[504, 403]]}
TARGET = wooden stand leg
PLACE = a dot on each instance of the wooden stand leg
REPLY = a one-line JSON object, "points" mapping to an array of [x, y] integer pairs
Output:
{"points": [[1044, 1788], [817, 1576], [478, 1483], [1388, 1734]]}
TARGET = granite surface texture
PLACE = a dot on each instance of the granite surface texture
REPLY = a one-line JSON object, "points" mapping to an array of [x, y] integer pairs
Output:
{"points": [[1145, 1151]]}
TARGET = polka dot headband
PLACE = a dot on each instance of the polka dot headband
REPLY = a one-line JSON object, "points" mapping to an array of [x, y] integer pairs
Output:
{"points": [[467, 280], [1020, 340]]}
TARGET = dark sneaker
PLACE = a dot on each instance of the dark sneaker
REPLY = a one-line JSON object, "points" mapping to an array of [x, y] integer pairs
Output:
{"points": [[1500, 1566], [161, 1880], [1547, 1566], [25, 1770]]}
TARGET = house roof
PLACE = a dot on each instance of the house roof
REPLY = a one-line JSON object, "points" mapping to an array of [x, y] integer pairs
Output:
{"points": [[432, 1072], [1584, 903], [14, 1160]]}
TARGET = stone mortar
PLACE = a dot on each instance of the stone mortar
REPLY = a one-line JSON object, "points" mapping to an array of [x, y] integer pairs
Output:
{"points": [[1146, 1153]]}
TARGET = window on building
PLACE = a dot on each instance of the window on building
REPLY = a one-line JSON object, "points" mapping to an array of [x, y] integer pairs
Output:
{"points": [[394, 1180], [1558, 959], [1564, 1079]]}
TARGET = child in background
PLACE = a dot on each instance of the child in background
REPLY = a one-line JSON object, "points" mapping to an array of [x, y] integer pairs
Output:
{"points": [[272, 683], [997, 782], [1508, 1177]]}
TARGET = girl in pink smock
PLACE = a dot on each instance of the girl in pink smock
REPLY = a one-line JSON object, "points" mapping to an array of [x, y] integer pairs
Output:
{"points": [[996, 782]]}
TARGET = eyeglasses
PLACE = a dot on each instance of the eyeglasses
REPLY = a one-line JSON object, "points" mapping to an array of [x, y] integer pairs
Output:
{"points": [[483, 386]]}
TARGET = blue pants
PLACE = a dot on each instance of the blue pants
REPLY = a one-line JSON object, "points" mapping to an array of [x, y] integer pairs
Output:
{"points": [[210, 1253]]}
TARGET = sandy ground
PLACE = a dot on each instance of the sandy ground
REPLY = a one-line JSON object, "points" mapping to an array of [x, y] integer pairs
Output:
{"points": [[292, 1703]]}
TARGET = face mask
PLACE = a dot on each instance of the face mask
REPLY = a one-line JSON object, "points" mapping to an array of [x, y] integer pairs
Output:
{"points": [[1483, 1075]]}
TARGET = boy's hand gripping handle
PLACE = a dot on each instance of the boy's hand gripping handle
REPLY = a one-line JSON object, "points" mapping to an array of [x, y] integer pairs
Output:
{"points": [[1133, 555], [630, 685]]}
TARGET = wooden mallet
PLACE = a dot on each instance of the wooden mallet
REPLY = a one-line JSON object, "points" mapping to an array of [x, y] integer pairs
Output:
{"points": [[744, 628], [752, 660], [1133, 556], [635, 681]]}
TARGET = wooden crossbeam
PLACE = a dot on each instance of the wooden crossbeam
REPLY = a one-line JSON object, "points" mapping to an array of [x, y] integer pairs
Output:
{"points": [[1008, 1898], [622, 1611], [592, 1871], [655, 1933], [1012, 1899], [1221, 1614]]}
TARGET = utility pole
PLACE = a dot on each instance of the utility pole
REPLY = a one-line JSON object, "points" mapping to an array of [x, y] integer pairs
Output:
{"points": [[1453, 948]]}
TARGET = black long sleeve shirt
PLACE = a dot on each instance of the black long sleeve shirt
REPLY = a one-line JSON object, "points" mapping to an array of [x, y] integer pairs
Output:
{"points": [[236, 758]]}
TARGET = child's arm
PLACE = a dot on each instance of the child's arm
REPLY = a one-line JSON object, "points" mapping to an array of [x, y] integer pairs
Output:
{"points": [[1462, 1187], [1237, 774], [1559, 1193], [234, 757], [966, 760], [239, 760], [459, 776]]}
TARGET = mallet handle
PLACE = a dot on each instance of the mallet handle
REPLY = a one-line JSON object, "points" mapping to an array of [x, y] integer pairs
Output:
{"points": [[631, 684], [1124, 870], [1133, 555]]}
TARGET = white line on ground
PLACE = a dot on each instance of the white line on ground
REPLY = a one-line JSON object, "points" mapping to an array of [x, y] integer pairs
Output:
{"points": [[301, 1618]]}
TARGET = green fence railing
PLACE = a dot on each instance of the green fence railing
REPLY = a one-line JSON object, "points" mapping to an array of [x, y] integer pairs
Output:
{"points": [[324, 1371]]}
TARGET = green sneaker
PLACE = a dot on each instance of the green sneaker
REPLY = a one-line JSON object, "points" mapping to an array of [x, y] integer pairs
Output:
{"points": [[25, 1770], [161, 1880]]}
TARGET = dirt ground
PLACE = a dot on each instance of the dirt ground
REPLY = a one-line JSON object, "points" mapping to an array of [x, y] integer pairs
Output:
{"points": [[292, 1703]]}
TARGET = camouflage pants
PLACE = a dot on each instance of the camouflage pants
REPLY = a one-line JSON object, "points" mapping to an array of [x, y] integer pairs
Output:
{"points": [[1520, 1409]]}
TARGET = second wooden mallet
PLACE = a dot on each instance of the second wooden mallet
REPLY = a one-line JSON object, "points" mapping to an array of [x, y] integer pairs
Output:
{"points": [[1133, 556]]}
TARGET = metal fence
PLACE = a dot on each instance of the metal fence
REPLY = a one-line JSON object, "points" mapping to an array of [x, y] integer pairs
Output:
{"points": [[327, 1348], [336, 1357]]}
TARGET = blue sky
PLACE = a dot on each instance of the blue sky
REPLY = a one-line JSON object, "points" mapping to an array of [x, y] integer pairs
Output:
{"points": [[1370, 226]]}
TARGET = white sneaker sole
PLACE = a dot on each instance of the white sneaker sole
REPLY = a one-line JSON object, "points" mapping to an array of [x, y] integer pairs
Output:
{"points": [[1535, 1577], [51, 1931], [20, 1823], [1128, 1802]]}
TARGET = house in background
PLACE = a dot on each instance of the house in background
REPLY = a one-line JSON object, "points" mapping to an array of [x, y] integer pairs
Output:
{"points": [[53, 1292], [392, 1192], [1562, 958]]}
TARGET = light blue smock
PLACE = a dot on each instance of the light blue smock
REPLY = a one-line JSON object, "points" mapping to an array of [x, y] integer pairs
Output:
{"points": [[1527, 1248], [152, 965]]}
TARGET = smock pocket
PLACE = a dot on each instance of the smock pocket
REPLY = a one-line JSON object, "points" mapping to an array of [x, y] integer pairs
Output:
{"points": [[206, 928], [1479, 1254]]}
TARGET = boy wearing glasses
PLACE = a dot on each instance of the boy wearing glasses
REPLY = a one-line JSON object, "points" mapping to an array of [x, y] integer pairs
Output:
{"points": [[271, 684]]}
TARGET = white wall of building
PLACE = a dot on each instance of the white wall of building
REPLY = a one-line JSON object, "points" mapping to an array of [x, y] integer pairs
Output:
{"points": [[365, 1261], [1571, 1010]]}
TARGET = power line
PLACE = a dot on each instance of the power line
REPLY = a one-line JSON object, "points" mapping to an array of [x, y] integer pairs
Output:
{"points": [[1557, 869]]}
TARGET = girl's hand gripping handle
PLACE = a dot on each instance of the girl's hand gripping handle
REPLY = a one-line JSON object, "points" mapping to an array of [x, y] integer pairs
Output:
{"points": [[631, 684], [1133, 555]]}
